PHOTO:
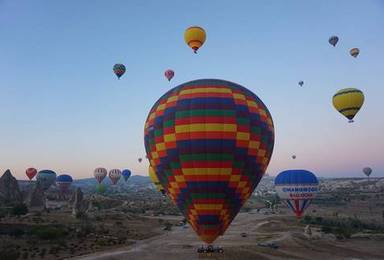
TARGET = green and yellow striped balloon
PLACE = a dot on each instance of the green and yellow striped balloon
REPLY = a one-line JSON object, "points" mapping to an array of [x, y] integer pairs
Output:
{"points": [[348, 102]]}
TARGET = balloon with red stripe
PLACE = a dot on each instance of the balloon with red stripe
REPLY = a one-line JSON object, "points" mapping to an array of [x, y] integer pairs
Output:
{"points": [[209, 143], [100, 173], [114, 175], [297, 188]]}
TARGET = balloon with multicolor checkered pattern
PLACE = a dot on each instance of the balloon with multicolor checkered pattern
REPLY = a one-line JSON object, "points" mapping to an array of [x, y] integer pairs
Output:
{"points": [[209, 142]]}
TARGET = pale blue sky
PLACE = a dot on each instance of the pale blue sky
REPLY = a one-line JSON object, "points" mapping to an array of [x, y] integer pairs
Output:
{"points": [[62, 107]]}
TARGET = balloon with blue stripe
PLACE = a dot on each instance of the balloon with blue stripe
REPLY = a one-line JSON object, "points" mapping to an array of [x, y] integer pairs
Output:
{"points": [[297, 188], [63, 182], [126, 174]]}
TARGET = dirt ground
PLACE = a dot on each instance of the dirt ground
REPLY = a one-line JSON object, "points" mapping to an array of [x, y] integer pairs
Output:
{"points": [[284, 231]]}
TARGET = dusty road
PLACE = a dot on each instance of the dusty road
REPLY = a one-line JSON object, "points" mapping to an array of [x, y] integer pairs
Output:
{"points": [[181, 243]]}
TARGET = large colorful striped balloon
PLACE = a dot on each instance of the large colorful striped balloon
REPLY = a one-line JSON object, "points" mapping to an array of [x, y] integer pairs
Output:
{"points": [[297, 188], [209, 142]]}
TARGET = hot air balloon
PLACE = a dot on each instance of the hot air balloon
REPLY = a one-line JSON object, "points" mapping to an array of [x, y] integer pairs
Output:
{"points": [[119, 70], [114, 175], [367, 171], [348, 102], [100, 188], [155, 180], [333, 40], [301, 83], [209, 142], [354, 52], [195, 37], [46, 178], [297, 188], [63, 182], [293, 156], [169, 74], [126, 174], [31, 172], [140, 160], [100, 174]]}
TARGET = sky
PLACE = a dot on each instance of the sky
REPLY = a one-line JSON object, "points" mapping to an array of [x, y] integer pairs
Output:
{"points": [[62, 107]]}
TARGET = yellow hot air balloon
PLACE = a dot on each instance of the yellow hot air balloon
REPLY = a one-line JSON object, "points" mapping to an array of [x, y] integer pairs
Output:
{"points": [[155, 180], [348, 102], [195, 37]]}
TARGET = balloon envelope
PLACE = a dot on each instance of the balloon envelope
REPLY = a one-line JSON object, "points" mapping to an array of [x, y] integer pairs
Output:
{"points": [[333, 40], [297, 188], [169, 74], [114, 175], [100, 188], [195, 37], [46, 178], [100, 173], [348, 102], [126, 174], [209, 142], [119, 70], [155, 180], [354, 52], [63, 182], [31, 173], [367, 171]]}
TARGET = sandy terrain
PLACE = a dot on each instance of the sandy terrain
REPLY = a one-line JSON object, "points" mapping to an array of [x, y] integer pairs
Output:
{"points": [[284, 231]]}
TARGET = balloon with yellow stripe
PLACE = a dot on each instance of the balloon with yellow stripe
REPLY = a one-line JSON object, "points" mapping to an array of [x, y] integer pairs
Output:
{"points": [[155, 180], [348, 102], [209, 142], [195, 37]]}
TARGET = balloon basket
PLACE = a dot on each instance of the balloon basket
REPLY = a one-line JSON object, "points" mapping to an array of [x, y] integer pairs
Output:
{"points": [[210, 250]]}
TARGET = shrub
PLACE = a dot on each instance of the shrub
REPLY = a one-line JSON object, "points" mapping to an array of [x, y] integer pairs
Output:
{"points": [[48, 232], [9, 253], [20, 209]]}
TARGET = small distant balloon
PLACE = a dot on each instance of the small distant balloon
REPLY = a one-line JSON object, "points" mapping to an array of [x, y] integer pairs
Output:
{"points": [[301, 83], [367, 171], [46, 178], [348, 102], [169, 74], [354, 52], [100, 188], [63, 182], [126, 174], [333, 40], [114, 175], [31, 173], [195, 37], [293, 156], [119, 70], [140, 159], [100, 174]]}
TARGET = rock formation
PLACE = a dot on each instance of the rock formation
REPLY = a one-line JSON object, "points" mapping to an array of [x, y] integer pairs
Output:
{"points": [[36, 198], [9, 190], [79, 206]]}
